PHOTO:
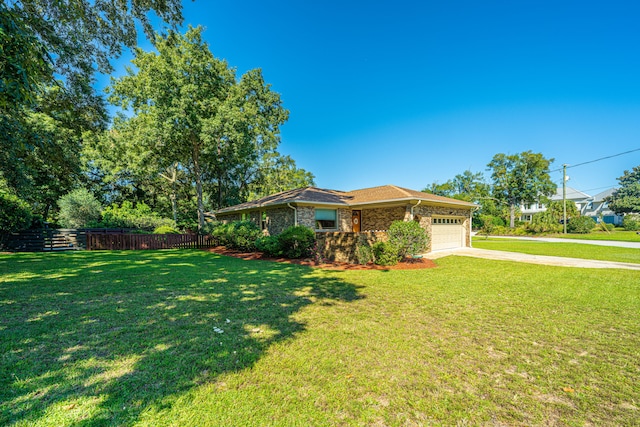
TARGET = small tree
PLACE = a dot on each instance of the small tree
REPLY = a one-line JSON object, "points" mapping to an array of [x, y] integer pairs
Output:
{"points": [[626, 199], [78, 209], [408, 237], [15, 214]]}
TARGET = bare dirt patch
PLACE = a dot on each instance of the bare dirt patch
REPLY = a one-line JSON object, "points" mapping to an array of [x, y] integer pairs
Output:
{"points": [[408, 264]]}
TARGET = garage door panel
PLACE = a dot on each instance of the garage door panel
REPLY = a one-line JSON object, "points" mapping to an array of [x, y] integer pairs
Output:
{"points": [[447, 235]]}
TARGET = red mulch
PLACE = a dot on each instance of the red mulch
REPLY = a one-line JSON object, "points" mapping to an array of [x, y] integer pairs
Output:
{"points": [[408, 264]]}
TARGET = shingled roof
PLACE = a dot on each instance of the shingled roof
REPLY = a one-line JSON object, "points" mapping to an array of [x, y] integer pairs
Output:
{"points": [[365, 196]]}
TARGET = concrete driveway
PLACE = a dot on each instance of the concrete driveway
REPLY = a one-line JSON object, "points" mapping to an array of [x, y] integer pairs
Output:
{"points": [[533, 259], [634, 245]]}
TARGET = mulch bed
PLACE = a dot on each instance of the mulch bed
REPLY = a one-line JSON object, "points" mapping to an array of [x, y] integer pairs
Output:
{"points": [[409, 264]]}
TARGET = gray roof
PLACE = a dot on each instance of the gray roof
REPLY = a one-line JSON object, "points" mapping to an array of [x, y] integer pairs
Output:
{"points": [[572, 194], [365, 196]]}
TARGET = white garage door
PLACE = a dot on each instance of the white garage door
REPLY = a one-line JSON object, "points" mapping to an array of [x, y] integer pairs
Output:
{"points": [[446, 233]]}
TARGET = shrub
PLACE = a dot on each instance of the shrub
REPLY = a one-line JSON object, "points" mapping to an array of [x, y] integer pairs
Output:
{"points": [[78, 209], [129, 216], [631, 222], [364, 254], [222, 233], [244, 235], [165, 229], [408, 238], [385, 253], [241, 235], [270, 245], [581, 225], [544, 222], [296, 241], [15, 213]]}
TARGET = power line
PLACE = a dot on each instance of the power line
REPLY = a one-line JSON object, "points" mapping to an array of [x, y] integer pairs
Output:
{"points": [[597, 160]]}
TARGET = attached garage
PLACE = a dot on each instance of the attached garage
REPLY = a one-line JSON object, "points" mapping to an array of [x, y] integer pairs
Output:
{"points": [[447, 233]]}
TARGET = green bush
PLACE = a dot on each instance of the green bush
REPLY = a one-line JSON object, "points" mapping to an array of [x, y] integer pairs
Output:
{"points": [[244, 235], [15, 213], [165, 229], [581, 225], [544, 222], [296, 241], [408, 238], [364, 254], [385, 253], [129, 216], [78, 209], [269, 245], [241, 235], [631, 222]]}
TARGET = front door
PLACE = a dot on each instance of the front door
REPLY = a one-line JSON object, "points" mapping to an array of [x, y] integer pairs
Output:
{"points": [[356, 219]]}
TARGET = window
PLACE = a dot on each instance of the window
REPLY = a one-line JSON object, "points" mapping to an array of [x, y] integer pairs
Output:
{"points": [[263, 220], [447, 220], [244, 216], [326, 219]]}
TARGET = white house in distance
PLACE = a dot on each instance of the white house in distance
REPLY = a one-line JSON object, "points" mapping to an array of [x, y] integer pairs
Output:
{"points": [[587, 205]]}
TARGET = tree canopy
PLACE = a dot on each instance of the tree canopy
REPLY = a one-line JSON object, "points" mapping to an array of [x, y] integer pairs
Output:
{"points": [[520, 178], [191, 113], [626, 199]]}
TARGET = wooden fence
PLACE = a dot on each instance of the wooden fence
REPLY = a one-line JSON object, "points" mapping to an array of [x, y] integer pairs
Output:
{"points": [[96, 239], [130, 241], [45, 240]]}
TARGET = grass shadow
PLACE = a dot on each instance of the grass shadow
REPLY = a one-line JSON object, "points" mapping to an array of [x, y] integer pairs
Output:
{"points": [[96, 338]]}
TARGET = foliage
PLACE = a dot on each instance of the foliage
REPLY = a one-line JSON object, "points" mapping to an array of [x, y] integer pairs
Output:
{"points": [[41, 38], [626, 199], [128, 215], [545, 222], [408, 237], [78, 209], [631, 222], [241, 235], [15, 214], [296, 241], [520, 178], [488, 224], [216, 140], [385, 253], [270, 245], [276, 173], [581, 225], [364, 254], [165, 229], [556, 210], [468, 186], [40, 152]]}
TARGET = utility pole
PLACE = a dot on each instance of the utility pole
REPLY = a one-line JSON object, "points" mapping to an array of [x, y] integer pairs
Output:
{"points": [[564, 197]]}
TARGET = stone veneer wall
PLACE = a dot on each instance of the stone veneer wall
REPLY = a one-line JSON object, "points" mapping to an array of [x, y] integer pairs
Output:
{"points": [[278, 219], [255, 217], [307, 216], [341, 246], [344, 220], [381, 218]]}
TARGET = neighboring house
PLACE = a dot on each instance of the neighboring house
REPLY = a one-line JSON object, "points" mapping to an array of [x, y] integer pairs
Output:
{"points": [[339, 217], [598, 207], [587, 205]]}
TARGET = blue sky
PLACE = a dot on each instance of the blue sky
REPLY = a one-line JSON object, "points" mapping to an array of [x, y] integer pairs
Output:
{"points": [[412, 92]]}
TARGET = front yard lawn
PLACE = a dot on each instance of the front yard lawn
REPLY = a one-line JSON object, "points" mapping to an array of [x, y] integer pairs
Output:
{"points": [[160, 338], [570, 250], [616, 235]]}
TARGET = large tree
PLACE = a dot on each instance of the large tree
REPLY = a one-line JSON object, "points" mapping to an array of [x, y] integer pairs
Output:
{"points": [[468, 186], [626, 199], [198, 115], [50, 51], [520, 178]]}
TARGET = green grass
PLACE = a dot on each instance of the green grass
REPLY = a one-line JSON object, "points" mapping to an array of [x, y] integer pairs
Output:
{"points": [[129, 338], [616, 235], [570, 250]]}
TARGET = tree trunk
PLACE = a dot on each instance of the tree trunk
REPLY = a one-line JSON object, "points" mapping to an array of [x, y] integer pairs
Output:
{"points": [[198, 178], [512, 215]]}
